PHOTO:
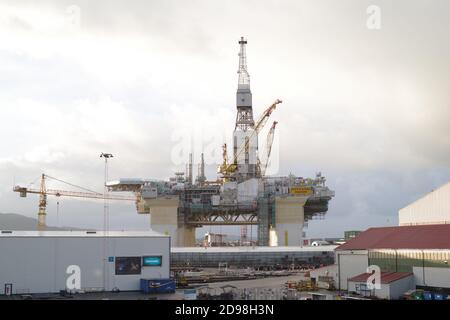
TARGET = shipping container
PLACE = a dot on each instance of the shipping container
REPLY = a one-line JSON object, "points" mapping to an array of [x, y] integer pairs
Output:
{"points": [[158, 285]]}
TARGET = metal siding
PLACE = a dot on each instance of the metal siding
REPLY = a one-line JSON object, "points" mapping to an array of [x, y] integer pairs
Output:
{"points": [[432, 277], [350, 265], [399, 287], [39, 264], [432, 208]]}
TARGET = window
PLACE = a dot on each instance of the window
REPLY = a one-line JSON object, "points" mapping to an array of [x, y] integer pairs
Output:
{"points": [[361, 289]]}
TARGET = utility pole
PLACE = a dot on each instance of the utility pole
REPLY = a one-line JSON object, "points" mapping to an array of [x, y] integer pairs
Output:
{"points": [[106, 156], [57, 213]]}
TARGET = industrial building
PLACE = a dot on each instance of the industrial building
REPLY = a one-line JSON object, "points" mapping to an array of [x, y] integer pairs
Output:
{"points": [[51, 261], [325, 277], [415, 254], [422, 250], [214, 239], [433, 208], [351, 234], [252, 256], [242, 194]]}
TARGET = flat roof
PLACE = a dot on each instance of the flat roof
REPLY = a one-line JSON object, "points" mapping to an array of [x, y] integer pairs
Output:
{"points": [[129, 181], [86, 234], [250, 249], [386, 277]]}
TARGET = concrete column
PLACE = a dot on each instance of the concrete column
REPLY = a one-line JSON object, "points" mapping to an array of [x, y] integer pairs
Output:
{"points": [[289, 220], [186, 236], [164, 219]]}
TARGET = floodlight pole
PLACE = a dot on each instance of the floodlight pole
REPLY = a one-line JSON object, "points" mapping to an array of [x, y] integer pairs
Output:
{"points": [[106, 156]]}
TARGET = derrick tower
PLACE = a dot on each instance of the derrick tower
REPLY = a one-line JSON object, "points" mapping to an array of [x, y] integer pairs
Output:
{"points": [[247, 160]]}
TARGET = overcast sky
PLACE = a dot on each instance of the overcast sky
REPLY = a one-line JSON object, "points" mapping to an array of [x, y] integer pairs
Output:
{"points": [[369, 108]]}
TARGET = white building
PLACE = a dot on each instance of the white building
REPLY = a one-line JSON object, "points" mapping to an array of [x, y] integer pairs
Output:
{"points": [[319, 243], [420, 246], [214, 239], [325, 277], [421, 250], [392, 285], [50, 261], [433, 208]]}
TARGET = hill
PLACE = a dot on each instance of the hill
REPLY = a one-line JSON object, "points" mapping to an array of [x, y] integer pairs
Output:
{"points": [[12, 221]]}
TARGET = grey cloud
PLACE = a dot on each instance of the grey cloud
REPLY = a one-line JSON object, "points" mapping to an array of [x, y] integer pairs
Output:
{"points": [[368, 108]]}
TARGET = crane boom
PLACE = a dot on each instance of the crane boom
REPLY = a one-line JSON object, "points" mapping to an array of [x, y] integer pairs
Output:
{"points": [[226, 170], [44, 192], [73, 194], [265, 116], [269, 142]]}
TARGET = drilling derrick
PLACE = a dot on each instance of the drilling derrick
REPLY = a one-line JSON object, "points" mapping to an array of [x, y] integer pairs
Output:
{"points": [[243, 132]]}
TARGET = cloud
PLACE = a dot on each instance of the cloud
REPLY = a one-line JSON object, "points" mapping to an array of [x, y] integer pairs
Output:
{"points": [[367, 108]]}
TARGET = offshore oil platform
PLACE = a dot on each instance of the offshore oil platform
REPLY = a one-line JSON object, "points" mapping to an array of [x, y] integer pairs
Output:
{"points": [[242, 195]]}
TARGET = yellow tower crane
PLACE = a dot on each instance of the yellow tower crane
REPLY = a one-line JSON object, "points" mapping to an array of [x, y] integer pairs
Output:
{"points": [[44, 192]]}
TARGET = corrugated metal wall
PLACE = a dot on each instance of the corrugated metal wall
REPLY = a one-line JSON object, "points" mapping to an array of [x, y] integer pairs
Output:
{"points": [[434, 208], [405, 260], [39, 264]]}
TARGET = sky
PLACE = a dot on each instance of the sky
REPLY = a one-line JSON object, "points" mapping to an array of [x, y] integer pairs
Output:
{"points": [[365, 97]]}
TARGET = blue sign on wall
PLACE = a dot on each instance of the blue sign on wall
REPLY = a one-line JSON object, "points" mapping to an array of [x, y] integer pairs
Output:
{"points": [[110, 259], [152, 261]]}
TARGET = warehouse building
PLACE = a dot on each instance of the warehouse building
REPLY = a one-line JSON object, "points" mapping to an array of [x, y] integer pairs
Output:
{"points": [[51, 261], [433, 208], [422, 250]]}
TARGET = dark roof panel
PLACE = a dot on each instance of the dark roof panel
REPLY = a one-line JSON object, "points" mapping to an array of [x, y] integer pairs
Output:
{"points": [[435, 236]]}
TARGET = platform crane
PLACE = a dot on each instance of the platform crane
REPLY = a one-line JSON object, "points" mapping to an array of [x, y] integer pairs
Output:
{"points": [[226, 169], [224, 166], [44, 192], [269, 142]]}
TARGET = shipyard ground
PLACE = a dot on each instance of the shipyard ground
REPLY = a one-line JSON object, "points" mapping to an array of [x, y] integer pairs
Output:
{"points": [[270, 288]]}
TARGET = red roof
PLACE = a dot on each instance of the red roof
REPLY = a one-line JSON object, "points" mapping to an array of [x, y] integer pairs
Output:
{"points": [[434, 236], [386, 277]]}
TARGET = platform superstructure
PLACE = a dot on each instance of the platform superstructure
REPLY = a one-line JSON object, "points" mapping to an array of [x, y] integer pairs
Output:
{"points": [[242, 194]]}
